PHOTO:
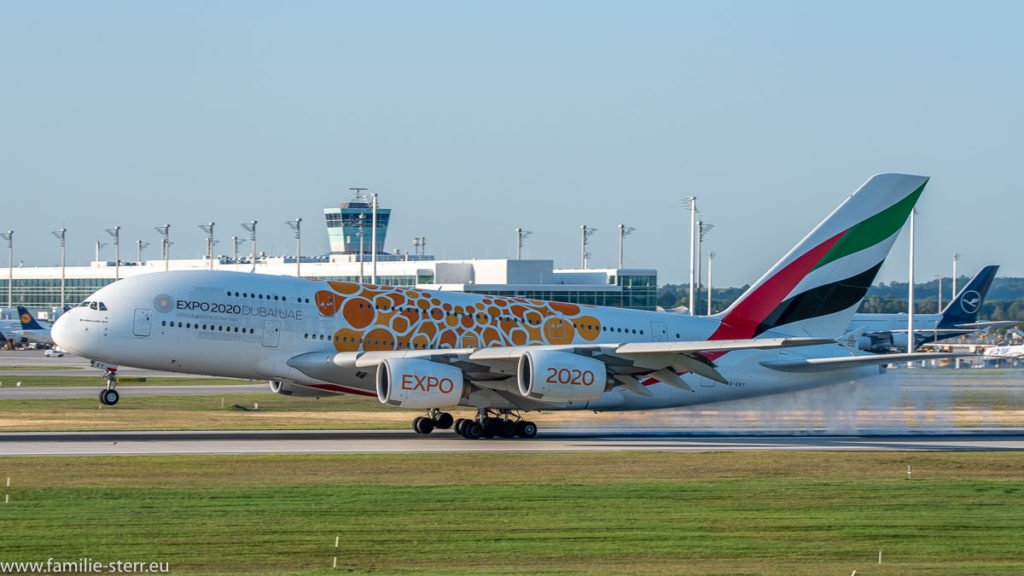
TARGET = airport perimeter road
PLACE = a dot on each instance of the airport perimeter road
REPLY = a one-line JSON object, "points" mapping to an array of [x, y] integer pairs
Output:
{"points": [[361, 442], [49, 393]]}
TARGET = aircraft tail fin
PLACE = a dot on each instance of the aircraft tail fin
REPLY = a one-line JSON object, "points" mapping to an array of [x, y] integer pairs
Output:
{"points": [[964, 307], [28, 322], [815, 288]]}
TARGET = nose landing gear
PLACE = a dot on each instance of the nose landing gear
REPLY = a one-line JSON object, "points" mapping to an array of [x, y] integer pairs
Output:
{"points": [[109, 395]]}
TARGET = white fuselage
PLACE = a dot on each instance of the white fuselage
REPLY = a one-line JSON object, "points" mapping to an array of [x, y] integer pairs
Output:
{"points": [[249, 326]]}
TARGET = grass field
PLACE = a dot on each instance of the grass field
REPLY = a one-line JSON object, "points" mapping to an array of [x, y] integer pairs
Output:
{"points": [[618, 513]]}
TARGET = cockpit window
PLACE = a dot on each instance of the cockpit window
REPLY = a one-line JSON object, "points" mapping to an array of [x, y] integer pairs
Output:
{"points": [[103, 306], [84, 304], [95, 305]]}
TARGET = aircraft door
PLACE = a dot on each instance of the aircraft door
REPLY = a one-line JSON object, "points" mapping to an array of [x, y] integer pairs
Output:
{"points": [[143, 322], [658, 332], [271, 333]]}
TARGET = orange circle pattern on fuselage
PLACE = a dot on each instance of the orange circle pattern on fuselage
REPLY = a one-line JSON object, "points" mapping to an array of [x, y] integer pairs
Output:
{"points": [[382, 318]]}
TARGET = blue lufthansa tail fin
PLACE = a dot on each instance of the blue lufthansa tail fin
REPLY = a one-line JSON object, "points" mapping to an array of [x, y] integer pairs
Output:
{"points": [[28, 322], [963, 309]]}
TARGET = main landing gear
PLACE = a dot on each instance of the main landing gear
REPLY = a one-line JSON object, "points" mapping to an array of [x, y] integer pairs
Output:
{"points": [[487, 424], [109, 395], [434, 419]]}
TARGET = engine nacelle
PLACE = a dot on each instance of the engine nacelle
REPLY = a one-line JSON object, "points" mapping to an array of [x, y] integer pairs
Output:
{"points": [[286, 388], [552, 376], [411, 383]]}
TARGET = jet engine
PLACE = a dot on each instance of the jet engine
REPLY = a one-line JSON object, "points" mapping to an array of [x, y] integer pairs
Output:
{"points": [[553, 376], [411, 383], [286, 388]]}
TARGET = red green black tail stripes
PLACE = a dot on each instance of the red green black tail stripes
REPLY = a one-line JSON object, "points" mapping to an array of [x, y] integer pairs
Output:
{"points": [[772, 303], [827, 299], [748, 314], [874, 229]]}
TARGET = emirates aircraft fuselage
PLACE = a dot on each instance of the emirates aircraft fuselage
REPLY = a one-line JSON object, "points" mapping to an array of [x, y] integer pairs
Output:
{"points": [[256, 327]]}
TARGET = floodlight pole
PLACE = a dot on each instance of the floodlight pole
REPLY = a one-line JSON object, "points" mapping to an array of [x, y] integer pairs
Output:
{"points": [[711, 256], [702, 229], [362, 225], [140, 244], [373, 239], [296, 226], [116, 233], [9, 236], [586, 233], [692, 207], [359, 190], [165, 243], [521, 236], [910, 297], [250, 227], [955, 258], [62, 236], [208, 228], [623, 232]]}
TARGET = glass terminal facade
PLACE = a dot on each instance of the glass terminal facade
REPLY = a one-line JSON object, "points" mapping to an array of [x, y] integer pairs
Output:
{"points": [[45, 292]]}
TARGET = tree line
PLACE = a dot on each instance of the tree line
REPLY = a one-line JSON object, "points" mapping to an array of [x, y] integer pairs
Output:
{"points": [[1005, 299]]}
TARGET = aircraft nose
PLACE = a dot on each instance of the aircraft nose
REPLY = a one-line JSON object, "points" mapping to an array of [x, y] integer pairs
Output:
{"points": [[61, 332]]}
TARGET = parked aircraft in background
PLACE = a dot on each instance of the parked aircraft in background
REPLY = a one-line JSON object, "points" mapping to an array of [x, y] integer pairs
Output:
{"points": [[1011, 352], [430, 351], [887, 332], [29, 329]]}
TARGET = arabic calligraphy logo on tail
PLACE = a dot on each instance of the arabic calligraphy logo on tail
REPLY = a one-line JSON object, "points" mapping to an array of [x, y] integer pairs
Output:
{"points": [[970, 302], [163, 303]]}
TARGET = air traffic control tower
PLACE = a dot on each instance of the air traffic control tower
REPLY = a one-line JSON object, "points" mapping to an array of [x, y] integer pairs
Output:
{"points": [[350, 227]]}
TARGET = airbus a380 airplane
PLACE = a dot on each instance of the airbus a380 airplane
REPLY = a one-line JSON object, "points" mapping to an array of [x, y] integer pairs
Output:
{"points": [[430, 350]]}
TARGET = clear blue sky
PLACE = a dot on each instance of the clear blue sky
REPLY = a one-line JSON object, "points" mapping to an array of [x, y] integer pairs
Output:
{"points": [[470, 119]]}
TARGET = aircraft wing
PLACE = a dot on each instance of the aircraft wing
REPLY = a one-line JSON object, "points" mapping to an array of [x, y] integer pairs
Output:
{"points": [[987, 324], [826, 364], [625, 362]]}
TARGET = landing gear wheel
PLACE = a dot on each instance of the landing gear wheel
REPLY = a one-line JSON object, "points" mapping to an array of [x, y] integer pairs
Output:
{"points": [[109, 397], [506, 428], [490, 428], [471, 430], [443, 421], [460, 424], [423, 425], [525, 429]]}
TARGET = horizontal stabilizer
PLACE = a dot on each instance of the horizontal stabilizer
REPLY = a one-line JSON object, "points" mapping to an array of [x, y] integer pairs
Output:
{"points": [[985, 325], [826, 364]]}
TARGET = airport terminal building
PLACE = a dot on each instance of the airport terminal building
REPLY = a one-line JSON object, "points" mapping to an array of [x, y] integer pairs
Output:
{"points": [[351, 259]]}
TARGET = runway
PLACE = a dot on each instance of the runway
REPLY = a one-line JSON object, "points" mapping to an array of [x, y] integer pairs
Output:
{"points": [[398, 441]]}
